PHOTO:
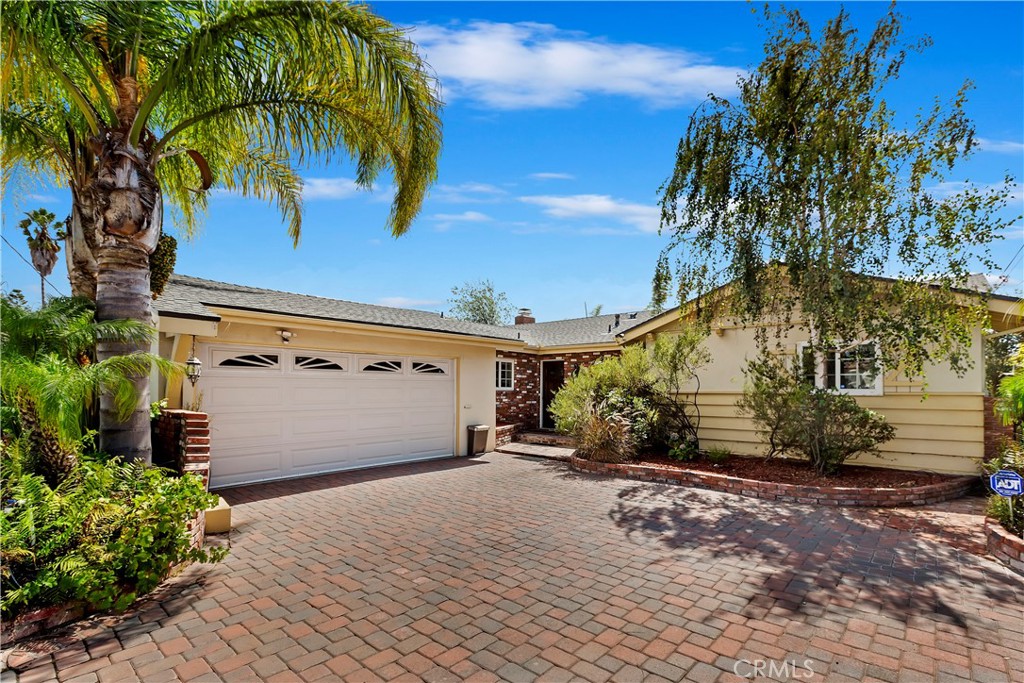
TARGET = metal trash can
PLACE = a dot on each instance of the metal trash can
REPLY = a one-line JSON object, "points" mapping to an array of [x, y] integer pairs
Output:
{"points": [[477, 442]]}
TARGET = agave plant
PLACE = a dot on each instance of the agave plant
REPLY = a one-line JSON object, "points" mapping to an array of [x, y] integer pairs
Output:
{"points": [[137, 102], [48, 374]]}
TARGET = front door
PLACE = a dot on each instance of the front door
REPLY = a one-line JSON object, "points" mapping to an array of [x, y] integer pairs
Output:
{"points": [[552, 378]]}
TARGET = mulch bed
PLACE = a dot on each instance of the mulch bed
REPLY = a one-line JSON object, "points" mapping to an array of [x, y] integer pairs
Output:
{"points": [[779, 471]]}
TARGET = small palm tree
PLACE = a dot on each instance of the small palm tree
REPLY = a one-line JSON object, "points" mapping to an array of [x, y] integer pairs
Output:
{"points": [[48, 375], [138, 102], [42, 247]]}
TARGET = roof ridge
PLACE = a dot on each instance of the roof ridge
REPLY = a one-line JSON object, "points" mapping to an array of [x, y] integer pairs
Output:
{"points": [[310, 296], [588, 317]]}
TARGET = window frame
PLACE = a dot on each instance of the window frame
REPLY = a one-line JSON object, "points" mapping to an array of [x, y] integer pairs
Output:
{"points": [[820, 373], [511, 374]]}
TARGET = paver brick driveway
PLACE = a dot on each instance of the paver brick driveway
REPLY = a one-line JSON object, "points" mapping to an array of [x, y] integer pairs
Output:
{"points": [[516, 569]]}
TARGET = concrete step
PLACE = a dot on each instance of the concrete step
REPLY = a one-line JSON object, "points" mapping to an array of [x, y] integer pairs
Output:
{"points": [[537, 450], [545, 439]]}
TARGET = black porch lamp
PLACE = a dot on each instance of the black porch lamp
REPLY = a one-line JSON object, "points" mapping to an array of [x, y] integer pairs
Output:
{"points": [[193, 366]]}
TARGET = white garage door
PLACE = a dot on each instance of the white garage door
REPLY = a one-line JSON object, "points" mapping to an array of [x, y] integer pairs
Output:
{"points": [[277, 413]]}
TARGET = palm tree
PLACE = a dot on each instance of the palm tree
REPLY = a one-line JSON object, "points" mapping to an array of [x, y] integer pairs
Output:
{"points": [[135, 102], [42, 246], [48, 375]]}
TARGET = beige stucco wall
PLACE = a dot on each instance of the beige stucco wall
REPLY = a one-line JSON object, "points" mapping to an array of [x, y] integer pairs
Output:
{"points": [[474, 360], [939, 417]]}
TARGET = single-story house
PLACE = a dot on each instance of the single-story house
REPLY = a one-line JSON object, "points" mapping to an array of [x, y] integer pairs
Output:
{"points": [[298, 385]]}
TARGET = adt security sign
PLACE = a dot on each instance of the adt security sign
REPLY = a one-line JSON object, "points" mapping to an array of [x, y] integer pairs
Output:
{"points": [[1007, 483]]}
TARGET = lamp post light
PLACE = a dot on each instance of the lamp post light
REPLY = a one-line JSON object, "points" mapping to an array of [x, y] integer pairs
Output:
{"points": [[193, 366]]}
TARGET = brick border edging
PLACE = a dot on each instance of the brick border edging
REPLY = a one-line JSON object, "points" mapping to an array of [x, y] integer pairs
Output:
{"points": [[832, 496], [1004, 546]]}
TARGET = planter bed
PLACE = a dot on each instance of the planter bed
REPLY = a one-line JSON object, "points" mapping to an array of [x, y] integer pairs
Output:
{"points": [[795, 482], [1006, 547]]}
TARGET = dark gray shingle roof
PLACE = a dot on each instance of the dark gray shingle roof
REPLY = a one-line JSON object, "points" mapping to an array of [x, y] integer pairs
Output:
{"points": [[192, 297], [592, 330]]}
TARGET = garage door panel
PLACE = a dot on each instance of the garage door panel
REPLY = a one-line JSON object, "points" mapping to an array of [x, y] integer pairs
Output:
{"points": [[421, 392], [245, 461], [427, 418], [267, 424], [373, 394], [305, 458], [427, 445], [243, 397], [331, 393], [231, 429], [336, 425], [378, 421]]}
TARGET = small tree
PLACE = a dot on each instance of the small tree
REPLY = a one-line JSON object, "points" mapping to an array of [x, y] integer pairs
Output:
{"points": [[677, 359], [41, 245], [808, 182], [793, 416], [478, 302]]}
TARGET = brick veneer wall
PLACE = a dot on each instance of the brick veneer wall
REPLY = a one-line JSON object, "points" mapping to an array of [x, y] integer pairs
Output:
{"points": [[181, 442], [521, 404], [995, 431]]}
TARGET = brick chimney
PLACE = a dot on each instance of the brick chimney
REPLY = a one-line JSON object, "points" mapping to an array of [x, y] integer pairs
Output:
{"points": [[525, 317]]}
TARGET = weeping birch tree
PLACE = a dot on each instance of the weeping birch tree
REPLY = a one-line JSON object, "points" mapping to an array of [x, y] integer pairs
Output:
{"points": [[134, 104], [807, 190]]}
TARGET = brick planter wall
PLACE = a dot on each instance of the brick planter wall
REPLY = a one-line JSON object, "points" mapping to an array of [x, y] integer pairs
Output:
{"points": [[995, 431], [503, 434], [181, 442], [789, 493], [1004, 546]]}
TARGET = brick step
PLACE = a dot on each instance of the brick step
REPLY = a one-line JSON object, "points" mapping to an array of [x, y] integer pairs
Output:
{"points": [[545, 439], [536, 450]]}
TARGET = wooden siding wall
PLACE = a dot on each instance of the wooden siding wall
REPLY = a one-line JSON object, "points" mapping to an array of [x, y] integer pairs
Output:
{"points": [[942, 433]]}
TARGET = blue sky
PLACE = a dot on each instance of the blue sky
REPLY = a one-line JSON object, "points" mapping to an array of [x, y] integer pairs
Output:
{"points": [[561, 123]]}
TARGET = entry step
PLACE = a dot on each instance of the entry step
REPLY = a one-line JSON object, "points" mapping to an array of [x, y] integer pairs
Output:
{"points": [[537, 450], [545, 439]]}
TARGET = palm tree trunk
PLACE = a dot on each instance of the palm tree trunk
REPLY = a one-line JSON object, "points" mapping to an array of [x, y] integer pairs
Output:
{"points": [[127, 210], [122, 293]]}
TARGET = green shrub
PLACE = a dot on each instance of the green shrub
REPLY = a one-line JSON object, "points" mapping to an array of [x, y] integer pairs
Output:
{"points": [[639, 388], [684, 451], [822, 426], [107, 534], [1008, 510], [717, 455], [605, 438]]}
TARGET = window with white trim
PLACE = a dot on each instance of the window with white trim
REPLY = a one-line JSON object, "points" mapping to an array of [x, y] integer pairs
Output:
{"points": [[852, 370], [504, 374]]}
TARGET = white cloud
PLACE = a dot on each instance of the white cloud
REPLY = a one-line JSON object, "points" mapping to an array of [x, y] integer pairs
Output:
{"points": [[329, 188], [42, 198], [464, 217], [641, 217], [407, 302], [999, 146], [529, 65], [468, 193], [951, 187], [552, 176]]}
